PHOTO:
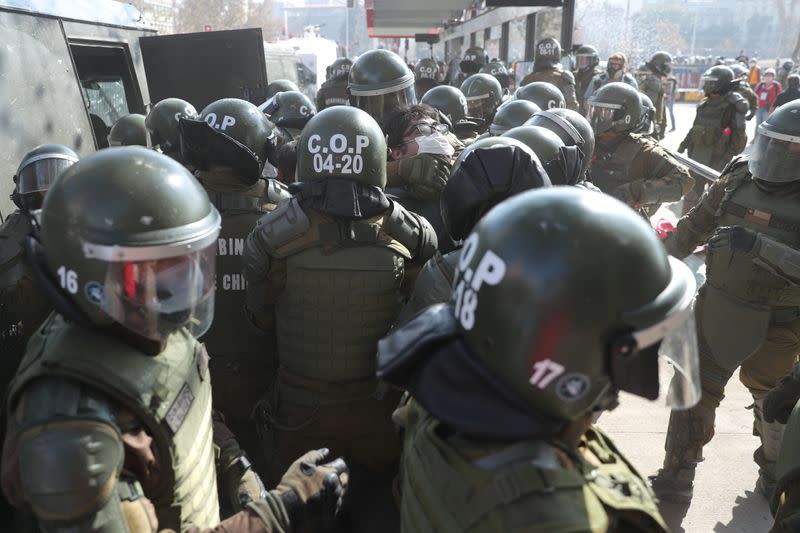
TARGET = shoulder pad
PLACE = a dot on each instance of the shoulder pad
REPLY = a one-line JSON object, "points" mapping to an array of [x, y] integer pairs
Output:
{"points": [[277, 192], [12, 233], [412, 231], [737, 164], [399, 351], [738, 100], [67, 423], [281, 226], [568, 76]]}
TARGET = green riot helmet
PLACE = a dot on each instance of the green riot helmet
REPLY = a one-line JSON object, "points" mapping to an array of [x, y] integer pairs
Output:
{"points": [[162, 123], [648, 115], [717, 80], [340, 68], [788, 65], [539, 325], [380, 82], [342, 142], [37, 171], [614, 107], [449, 100], [474, 59], [572, 128], [231, 133], [427, 69], [499, 71], [561, 162], [660, 63], [128, 130], [547, 54], [291, 109], [129, 237], [492, 170], [586, 58], [793, 81], [484, 94], [776, 154], [544, 94], [739, 71], [279, 86], [512, 114]]}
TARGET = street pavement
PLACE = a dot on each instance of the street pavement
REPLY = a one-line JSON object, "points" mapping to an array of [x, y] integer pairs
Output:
{"points": [[725, 499]]}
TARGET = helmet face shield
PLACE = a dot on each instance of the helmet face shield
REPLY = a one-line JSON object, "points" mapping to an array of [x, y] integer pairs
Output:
{"points": [[378, 105], [481, 106], [602, 116], [679, 349], [39, 174], [154, 298], [585, 61], [775, 157]]}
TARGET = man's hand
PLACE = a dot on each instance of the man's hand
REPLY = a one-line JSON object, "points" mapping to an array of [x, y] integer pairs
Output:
{"points": [[312, 493]]}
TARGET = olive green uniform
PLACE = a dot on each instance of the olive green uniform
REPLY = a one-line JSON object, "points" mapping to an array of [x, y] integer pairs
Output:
{"points": [[650, 84], [636, 170], [244, 359], [22, 306], [453, 484], [750, 293], [333, 92], [582, 81], [786, 503], [747, 92], [336, 286], [559, 77]]}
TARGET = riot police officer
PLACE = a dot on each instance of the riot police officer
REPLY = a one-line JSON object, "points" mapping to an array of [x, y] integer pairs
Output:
{"points": [[512, 114], [650, 78], [498, 428], [744, 89], [452, 103], [784, 71], [645, 126], [750, 220], [116, 376], [718, 133], [380, 82], [547, 67], [475, 58], [484, 95], [498, 69], [280, 86], [333, 262], [228, 145], [22, 306], [426, 75], [162, 125], [290, 111], [334, 90], [626, 165], [561, 162], [128, 130], [573, 129], [543, 94], [487, 172], [587, 60]]}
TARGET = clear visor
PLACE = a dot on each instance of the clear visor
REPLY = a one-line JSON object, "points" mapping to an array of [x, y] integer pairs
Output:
{"points": [[378, 105], [156, 298], [679, 350], [775, 157], [39, 175], [584, 61], [601, 117], [481, 106]]}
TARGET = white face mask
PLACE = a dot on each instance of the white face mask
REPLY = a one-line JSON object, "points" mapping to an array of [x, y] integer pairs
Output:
{"points": [[436, 144]]}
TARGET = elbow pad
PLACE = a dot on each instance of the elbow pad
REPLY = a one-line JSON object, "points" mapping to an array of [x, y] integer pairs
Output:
{"points": [[412, 231]]}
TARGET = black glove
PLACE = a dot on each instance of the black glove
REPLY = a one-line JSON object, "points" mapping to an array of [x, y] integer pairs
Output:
{"points": [[734, 237], [312, 493], [424, 175], [780, 401]]}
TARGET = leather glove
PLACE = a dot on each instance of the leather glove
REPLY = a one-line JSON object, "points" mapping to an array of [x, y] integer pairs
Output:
{"points": [[425, 175], [780, 401], [312, 493], [736, 238]]}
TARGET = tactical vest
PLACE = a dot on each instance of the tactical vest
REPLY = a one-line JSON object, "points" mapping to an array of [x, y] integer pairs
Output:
{"points": [[230, 334], [556, 77], [522, 488], [170, 393], [774, 215], [332, 92], [707, 141], [613, 169], [22, 306], [342, 294]]}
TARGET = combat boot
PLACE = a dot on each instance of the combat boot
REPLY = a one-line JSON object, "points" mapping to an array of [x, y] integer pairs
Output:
{"points": [[765, 456], [674, 483], [687, 432]]}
